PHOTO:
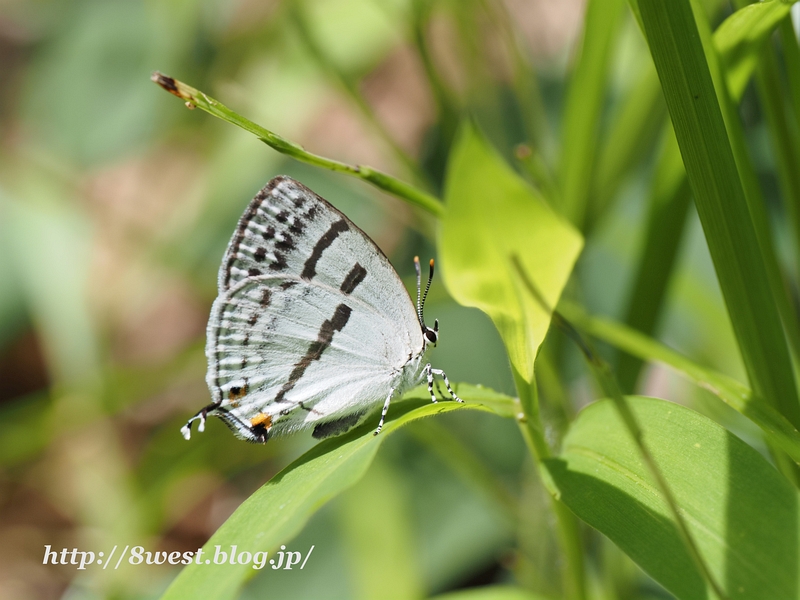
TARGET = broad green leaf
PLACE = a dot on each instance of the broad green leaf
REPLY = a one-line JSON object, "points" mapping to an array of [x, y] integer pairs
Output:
{"points": [[711, 167], [275, 513], [492, 214], [742, 514]]}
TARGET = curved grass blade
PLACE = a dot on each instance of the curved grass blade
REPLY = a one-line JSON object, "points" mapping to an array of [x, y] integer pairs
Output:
{"points": [[777, 429], [740, 37], [377, 178], [491, 592]]}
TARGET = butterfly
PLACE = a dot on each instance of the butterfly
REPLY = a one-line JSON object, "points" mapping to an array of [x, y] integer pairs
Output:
{"points": [[312, 326]]}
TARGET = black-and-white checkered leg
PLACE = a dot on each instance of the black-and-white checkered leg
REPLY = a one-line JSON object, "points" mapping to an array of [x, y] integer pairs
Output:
{"points": [[446, 383], [439, 389], [429, 375], [383, 412]]}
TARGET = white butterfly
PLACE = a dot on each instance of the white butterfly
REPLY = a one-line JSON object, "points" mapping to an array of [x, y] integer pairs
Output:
{"points": [[312, 326]]}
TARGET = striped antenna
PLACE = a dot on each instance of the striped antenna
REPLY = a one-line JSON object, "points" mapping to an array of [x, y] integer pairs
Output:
{"points": [[419, 285], [425, 295]]}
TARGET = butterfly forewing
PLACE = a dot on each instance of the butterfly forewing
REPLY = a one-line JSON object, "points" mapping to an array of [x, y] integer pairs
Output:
{"points": [[300, 282]]}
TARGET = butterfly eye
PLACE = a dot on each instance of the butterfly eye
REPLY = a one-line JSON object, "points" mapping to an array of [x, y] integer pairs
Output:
{"points": [[431, 335]]}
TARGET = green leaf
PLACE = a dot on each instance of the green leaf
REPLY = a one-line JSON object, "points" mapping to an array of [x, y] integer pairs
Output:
{"points": [[275, 513], [492, 214], [708, 156], [741, 512], [491, 592]]}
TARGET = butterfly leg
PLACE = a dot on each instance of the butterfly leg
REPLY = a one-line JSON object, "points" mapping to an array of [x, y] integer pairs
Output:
{"points": [[429, 375], [439, 389], [446, 383], [383, 412]]}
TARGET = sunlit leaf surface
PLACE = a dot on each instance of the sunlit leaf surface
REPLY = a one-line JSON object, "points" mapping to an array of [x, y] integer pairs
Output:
{"points": [[492, 214]]}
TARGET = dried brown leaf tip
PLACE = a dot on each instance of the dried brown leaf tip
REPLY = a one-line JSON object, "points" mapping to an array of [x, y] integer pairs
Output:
{"points": [[169, 84]]}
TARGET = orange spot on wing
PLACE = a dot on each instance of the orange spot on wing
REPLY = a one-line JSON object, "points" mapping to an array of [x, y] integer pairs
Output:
{"points": [[261, 419], [237, 392]]}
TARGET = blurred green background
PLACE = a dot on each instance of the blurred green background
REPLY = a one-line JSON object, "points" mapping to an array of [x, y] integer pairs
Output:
{"points": [[116, 204]]}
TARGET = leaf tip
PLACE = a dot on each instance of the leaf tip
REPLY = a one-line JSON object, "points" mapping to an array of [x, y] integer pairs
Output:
{"points": [[170, 84]]}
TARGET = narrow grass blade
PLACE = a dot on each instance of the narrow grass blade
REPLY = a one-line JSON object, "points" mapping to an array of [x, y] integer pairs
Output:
{"points": [[669, 203], [584, 107], [747, 172], [631, 136], [784, 135], [777, 429], [738, 41], [708, 157]]}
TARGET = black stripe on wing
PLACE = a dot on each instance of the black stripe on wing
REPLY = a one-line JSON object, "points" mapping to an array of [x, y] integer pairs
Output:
{"points": [[247, 307], [324, 338]]}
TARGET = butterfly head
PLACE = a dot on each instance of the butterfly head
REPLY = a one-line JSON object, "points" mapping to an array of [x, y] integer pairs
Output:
{"points": [[431, 336]]}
